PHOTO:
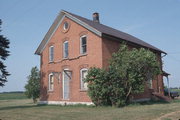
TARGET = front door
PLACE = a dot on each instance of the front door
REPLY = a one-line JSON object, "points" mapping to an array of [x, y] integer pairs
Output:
{"points": [[66, 80]]}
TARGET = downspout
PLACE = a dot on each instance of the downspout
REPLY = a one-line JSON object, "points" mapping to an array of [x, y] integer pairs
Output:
{"points": [[162, 68], [168, 86], [167, 77]]}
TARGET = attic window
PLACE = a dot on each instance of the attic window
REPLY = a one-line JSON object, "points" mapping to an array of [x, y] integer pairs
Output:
{"points": [[66, 26]]}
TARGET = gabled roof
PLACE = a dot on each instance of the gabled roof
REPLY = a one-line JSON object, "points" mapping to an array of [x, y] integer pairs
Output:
{"points": [[97, 28]]}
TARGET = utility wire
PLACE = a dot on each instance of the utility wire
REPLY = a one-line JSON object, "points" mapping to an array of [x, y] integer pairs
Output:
{"points": [[173, 53], [173, 58]]}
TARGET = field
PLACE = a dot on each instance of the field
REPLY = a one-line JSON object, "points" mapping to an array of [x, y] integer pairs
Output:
{"points": [[11, 95], [23, 109], [178, 90]]}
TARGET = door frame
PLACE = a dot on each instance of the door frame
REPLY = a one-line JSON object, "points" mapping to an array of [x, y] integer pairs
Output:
{"points": [[63, 73]]}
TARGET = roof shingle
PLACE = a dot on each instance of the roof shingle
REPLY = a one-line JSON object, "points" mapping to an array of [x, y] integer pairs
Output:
{"points": [[115, 33]]}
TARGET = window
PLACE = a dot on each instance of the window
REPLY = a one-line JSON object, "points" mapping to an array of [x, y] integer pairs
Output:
{"points": [[83, 45], [150, 83], [65, 26], [51, 53], [83, 76], [51, 82], [149, 80], [65, 49]]}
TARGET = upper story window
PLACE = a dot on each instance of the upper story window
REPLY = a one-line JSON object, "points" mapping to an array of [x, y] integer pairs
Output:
{"points": [[51, 53], [65, 49], [83, 73], [51, 82], [83, 45]]}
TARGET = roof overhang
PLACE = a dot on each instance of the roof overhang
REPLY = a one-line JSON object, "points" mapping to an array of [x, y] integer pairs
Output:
{"points": [[165, 73], [131, 43]]}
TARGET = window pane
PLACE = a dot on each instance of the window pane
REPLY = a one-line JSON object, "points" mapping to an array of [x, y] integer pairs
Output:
{"points": [[83, 84], [84, 41], [51, 53], [66, 25], [65, 49], [84, 49], [83, 45], [51, 80], [84, 73]]}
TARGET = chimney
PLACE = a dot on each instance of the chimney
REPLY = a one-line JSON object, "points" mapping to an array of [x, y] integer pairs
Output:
{"points": [[96, 17]]}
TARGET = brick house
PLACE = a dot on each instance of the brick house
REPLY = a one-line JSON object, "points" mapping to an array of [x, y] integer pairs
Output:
{"points": [[72, 45]]}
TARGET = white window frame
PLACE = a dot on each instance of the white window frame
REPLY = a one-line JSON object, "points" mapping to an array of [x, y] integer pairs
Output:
{"points": [[51, 74], [81, 79], [51, 54], [64, 53], [64, 26], [81, 49], [150, 82]]}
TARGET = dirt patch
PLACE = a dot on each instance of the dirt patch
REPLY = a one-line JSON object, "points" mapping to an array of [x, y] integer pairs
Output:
{"points": [[170, 116]]}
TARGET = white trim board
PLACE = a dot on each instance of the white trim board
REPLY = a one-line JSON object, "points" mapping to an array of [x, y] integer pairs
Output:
{"points": [[64, 103]]}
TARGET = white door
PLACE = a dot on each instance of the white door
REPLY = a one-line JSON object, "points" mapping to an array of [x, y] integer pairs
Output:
{"points": [[66, 79]]}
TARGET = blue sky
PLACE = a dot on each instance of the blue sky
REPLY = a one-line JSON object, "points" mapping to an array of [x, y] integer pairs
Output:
{"points": [[25, 22]]}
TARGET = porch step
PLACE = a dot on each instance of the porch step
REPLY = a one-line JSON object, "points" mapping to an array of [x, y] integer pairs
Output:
{"points": [[162, 97]]}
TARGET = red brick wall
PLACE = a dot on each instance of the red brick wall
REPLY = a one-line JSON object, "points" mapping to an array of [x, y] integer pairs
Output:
{"points": [[74, 63], [108, 47]]}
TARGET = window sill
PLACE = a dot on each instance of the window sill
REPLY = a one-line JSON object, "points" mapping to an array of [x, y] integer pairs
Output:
{"points": [[83, 90], [50, 91], [65, 99], [65, 58], [81, 55], [50, 62]]}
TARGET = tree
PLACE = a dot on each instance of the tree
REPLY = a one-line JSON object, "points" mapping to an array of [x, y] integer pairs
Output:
{"points": [[4, 53], [33, 86], [127, 74]]}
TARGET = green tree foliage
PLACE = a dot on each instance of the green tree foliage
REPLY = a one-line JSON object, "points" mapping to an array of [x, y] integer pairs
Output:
{"points": [[4, 53], [33, 85], [98, 86], [127, 74]]}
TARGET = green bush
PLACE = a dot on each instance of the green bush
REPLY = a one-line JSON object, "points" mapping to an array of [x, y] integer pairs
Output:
{"points": [[128, 72], [97, 87]]}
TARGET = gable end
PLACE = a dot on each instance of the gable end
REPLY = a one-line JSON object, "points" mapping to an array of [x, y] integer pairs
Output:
{"points": [[56, 24]]}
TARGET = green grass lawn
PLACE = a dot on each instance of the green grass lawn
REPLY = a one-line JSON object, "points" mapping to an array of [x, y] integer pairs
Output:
{"points": [[24, 109], [15, 95]]}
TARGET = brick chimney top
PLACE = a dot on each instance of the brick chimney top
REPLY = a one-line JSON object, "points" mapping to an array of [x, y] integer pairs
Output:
{"points": [[96, 17]]}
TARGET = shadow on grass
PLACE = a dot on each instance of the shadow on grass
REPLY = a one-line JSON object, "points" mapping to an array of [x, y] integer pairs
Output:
{"points": [[91, 106], [151, 102], [21, 106], [43, 105]]}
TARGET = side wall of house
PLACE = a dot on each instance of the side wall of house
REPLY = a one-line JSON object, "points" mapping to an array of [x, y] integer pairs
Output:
{"points": [[75, 62], [110, 46], [158, 83]]}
